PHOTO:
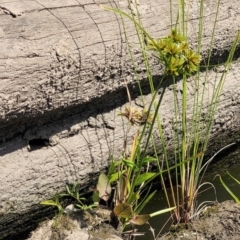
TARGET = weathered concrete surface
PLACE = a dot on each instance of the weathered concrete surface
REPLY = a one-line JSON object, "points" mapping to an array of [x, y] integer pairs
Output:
{"points": [[57, 54], [63, 67]]}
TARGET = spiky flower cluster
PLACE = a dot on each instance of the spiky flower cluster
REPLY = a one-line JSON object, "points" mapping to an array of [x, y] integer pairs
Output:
{"points": [[135, 116], [176, 55]]}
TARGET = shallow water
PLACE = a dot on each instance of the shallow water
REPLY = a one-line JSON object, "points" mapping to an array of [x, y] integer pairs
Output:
{"points": [[159, 202]]}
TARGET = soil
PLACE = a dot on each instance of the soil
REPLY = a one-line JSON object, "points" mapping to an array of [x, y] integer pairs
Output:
{"points": [[216, 223]]}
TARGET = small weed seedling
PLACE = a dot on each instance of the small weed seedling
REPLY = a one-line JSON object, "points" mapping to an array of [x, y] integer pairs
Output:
{"points": [[72, 192]]}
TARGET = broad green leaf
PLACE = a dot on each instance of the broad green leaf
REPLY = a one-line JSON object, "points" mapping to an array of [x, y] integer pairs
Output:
{"points": [[115, 176], [144, 177], [140, 219], [123, 210], [162, 211], [104, 187]]}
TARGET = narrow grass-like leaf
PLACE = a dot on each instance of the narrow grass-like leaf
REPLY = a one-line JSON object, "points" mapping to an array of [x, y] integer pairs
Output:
{"points": [[137, 24], [77, 195], [80, 206], [145, 201], [162, 211], [148, 160], [49, 202], [92, 206], [53, 203], [121, 189], [74, 187], [64, 195], [134, 147], [237, 200], [68, 190], [233, 178]]}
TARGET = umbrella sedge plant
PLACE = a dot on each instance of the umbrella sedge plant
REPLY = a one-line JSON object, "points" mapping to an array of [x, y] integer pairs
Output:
{"points": [[191, 131]]}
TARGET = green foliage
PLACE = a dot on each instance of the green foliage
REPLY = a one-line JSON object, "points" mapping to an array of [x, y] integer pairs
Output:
{"points": [[144, 177], [125, 211], [54, 202], [61, 221], [190, 137], [129, 176], [129, 180], [74, 193]]}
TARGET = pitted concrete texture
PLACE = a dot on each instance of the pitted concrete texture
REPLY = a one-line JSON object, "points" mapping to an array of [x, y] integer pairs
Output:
{"points": [[63, 71]]}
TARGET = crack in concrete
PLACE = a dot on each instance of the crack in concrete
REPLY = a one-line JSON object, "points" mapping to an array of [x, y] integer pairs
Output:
{"points": [[10, 12]]}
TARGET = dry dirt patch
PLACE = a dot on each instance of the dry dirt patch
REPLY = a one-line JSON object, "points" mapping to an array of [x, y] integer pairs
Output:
{"points": [[217, 223]]}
